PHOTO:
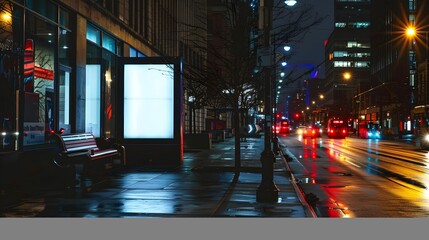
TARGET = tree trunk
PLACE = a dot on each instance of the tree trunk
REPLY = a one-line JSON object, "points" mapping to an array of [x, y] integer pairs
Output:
{"points": [[194, 120], [237, 136]]}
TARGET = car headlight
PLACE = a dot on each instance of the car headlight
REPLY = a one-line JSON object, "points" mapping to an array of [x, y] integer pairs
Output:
{"points": [[426, 138]]}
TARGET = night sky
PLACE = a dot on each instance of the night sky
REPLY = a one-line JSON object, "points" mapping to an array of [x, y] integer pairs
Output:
{"points": [[311, 50]]}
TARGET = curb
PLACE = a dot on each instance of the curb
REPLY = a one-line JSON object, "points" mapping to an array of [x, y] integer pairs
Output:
{"points": [[287, 156]]}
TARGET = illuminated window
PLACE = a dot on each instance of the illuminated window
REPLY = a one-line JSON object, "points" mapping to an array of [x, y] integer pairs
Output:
{"points": [[361, 24], [109, 43], [93, 34], [361, 64], [357, 45], [342, 64], [340, 54], [340, 25]]}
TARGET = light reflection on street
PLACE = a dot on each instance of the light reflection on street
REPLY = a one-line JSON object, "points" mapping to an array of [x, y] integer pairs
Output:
{"points": [[366, 177], [394, 162]]}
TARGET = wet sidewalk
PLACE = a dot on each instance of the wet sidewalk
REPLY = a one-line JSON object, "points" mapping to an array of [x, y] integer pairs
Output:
{"points": [[203, 186]]}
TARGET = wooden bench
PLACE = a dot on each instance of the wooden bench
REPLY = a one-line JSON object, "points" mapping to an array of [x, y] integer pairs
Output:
{"points": [[82, 149]]}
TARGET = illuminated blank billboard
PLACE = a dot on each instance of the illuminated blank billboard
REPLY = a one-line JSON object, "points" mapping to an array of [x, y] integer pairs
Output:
{"points": [[148, 101]]}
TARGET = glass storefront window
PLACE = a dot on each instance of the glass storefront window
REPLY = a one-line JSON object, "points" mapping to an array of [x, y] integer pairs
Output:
{"points": [[64, 99], [101, 72], [39, 81], [93, 34], [65, 19], [64, 48], [109, 69], [44, 7], [11, 24], [92, 89], [92, 99]]}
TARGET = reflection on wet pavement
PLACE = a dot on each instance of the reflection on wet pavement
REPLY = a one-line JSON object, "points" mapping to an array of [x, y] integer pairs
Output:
{"points": [[197, 188]]}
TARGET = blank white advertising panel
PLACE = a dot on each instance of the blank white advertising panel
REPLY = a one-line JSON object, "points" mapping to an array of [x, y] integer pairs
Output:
{"points": [[148, 101]]}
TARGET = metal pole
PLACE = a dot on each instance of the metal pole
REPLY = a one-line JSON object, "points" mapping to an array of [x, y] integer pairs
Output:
{"points": [[267, 190], [275, 139]]}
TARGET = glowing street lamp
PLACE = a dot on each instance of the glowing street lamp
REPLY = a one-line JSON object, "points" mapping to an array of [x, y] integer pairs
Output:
{"points": [[347, 76], [411, 32], [290, 3]]}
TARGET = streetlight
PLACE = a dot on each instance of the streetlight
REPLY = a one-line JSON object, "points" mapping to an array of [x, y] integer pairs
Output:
{"points": [[410, 32], [290, 3], [267, 191], [347, 76]]}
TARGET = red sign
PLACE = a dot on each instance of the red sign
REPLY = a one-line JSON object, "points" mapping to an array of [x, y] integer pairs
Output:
{"points": [[43, 73], [28, 58]]}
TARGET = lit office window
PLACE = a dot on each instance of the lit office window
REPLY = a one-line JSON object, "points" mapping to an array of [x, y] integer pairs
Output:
{"points": [[109, 43], [93, 34], [340, 24], [361, 64], [340, 54], [342, 64], [133, 52]]}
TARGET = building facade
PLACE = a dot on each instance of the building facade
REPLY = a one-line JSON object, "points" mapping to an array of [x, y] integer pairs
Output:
{"points": [[347, 58], [393, 66], [59, 60], [59, 68]]}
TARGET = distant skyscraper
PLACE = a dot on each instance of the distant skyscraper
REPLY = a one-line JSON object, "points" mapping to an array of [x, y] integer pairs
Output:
{"points": [[347, 52]]}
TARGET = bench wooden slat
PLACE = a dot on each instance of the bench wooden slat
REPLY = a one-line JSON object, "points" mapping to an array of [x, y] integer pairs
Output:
{"points": [[82, 148]]}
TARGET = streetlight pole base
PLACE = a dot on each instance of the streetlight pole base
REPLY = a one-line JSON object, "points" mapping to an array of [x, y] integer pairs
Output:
{"points": [[276, 147], [267, 191], [267, 194]]}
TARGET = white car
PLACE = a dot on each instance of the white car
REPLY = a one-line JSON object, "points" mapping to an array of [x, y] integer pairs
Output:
{"points": [[301, 130]]}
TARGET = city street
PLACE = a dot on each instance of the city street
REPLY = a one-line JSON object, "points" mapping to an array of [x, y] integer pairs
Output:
{"points": [[355, 177]]}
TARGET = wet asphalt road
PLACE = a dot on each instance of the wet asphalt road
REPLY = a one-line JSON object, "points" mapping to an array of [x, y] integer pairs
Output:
{"points": [[355, 178]]}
